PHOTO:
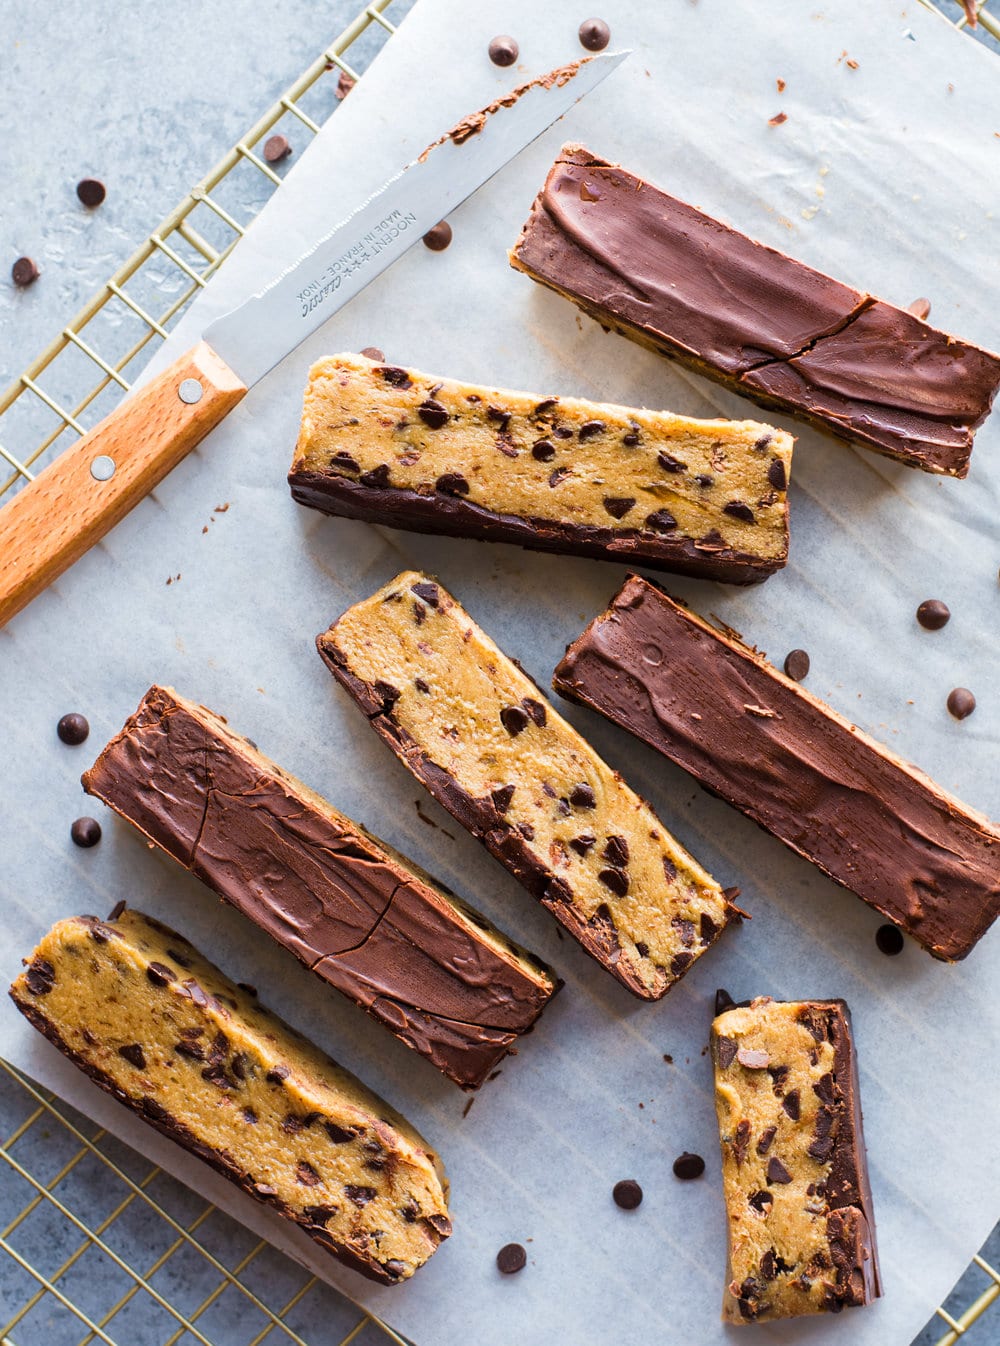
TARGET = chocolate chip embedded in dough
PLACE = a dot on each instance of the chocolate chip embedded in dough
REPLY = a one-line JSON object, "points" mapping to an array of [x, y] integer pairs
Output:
{"points": [[134, 1055], [514, 719], [777, 475], [377, 478], [433, 414], [707, 929], [582, 797], [544, 451], [618, 505], [726, 1050], [430, 593], [398, 378], [741, 1140], [40, 976], [583, 843], [738, 510], [501, 797], [536, 711], [752, 1058], [761, 1201], [359, 1195], [723, 1001], [591, 428], [669, 869], [766, 1137], [661, 521], [669, 463], [345, 462], [159, 974], [616, 852], [776, 1171], [340, 1135], [791, 1104], [277, 1075], [615, 879], [452, 483], [558, 476], [306, 1174]]}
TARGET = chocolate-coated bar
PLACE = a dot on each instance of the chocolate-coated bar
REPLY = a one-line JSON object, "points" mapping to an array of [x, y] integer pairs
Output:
{"points": [[766, 745], [690, 287]]}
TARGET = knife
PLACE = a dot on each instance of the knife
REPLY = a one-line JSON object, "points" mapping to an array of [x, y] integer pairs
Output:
{"points": [[88, 488]]}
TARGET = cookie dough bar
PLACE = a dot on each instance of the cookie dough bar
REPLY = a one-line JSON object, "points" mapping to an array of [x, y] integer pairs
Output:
{"points": [[479, 734], [794, 1171], [717, 708], [394, 446], [687, 286], [366, 921], [151, 1021]]}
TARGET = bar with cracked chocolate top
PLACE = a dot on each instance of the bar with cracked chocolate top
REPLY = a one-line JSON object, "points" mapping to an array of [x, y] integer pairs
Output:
{"points": [[478, 733], [364, 919], [394, 446], [794, 1168], [687, 286], [753, 736], [157, 1026]]}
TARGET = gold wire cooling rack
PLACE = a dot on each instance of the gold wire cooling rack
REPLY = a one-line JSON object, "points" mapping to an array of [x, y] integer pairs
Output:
{"points": [[205, 1279]]}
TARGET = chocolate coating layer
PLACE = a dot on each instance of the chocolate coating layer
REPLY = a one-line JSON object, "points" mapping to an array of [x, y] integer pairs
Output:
{"points": [[690, 287], [434, 972], [797, 768]]}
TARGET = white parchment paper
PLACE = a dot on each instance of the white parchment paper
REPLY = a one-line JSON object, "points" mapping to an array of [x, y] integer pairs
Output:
{"points": [[888, 176]]}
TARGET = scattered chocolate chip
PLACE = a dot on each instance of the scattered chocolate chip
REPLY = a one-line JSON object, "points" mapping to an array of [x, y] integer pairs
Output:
{"points": [[776, 474], [669, 463], [961, 702], [159, 974], [535, 709], [723, 1001], [920, 308], [791, 1104], [543, 451], [594, 34], [514, 720], [797, 664], [430, 593], [766, 1137], [504, 51], [559, 475], [688, 1166], [116, 910], [726, 1051], [823, 1088], [86, 832], [627, 1194], [441, 1224], [276, 148], [452, 483], [238, 1065], [250, 990], [761, 1201], [40, 976], [616, 852], [438, 238], [889, 939], [590, 428], [293, 1124], [192, 1050], [776, 1171], [91, 192], [582, 797], [761, 445], [432, 413], [661, 521], [932, 614], [373, 353], [377, 478], [399, 378], [618, 505], [583, 843], [73, 729], [752, 1058], [738, 510], [180, 959], [497, 414], [615, 879], [134, 1055], [24, 272], [306, 1174], [511, 1257]]}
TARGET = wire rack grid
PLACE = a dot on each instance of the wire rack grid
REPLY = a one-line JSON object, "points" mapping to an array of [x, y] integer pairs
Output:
{"points": [[66, 1181]]}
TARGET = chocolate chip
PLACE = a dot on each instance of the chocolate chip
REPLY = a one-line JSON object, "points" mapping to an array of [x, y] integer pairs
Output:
{"points": [[421, 686], [630, 440], [527, 831], [91, 192], [360, 1196], [441, 1224], [615, 879], [797, 664], [591, 428], [73, 729], [377, 479], [583, 843], [293, 1124], [40, 976], [761, 445], [932, 614], [889, 939], [452, 483], [180, 959], [616, 852], [618, 505], [741, 1141], [239, 1065], [791, 1105], [669, 463], [399, 378], [345, 462], [627, 1194], [501, 797], [159, 974], [277, 1075], [726, 1050], [264, 1190], [546, 404], [306, 1174], [738, 510], [432, 413], [504, 51], [776, 474], [680, 961], [661, 521], [823, 1088], [535, 709], [249, 1116], [707, 929], [190, 1049], [116, 910], [562, 432], [438, 238], [688, 1166], [669, 869], [514, 720], [820, 1149], [428, 592], [340, 1135], [761, 1201], [394, 1268], [594, 34], [582, 797], [642, 948], [559, 475], [544, 451], [920, 308], [134, 1055], [319, 1214], [686, 930], [766, 1137], [511, 1257], [752, 1058], [373, 353], [276, 148], [704, 480], [961, 702], [723, 1001], [767, 1265], [24, 272], [498, 414], [86, 832], [776, 1171]]}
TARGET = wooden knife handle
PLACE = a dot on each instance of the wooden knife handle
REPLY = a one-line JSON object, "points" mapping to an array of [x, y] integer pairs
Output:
{"points": [[54, 519]]}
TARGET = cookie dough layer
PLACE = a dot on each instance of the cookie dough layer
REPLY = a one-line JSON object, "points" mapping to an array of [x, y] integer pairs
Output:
{"points": [[689, 287], [431, 969], [794, 1171], [155, 1024], [479, 734], [394, 446], [767, 746]]}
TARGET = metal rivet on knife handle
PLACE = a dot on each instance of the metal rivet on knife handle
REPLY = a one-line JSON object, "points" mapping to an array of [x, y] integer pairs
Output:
{"points": [[102, 468], [190, 391]]}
